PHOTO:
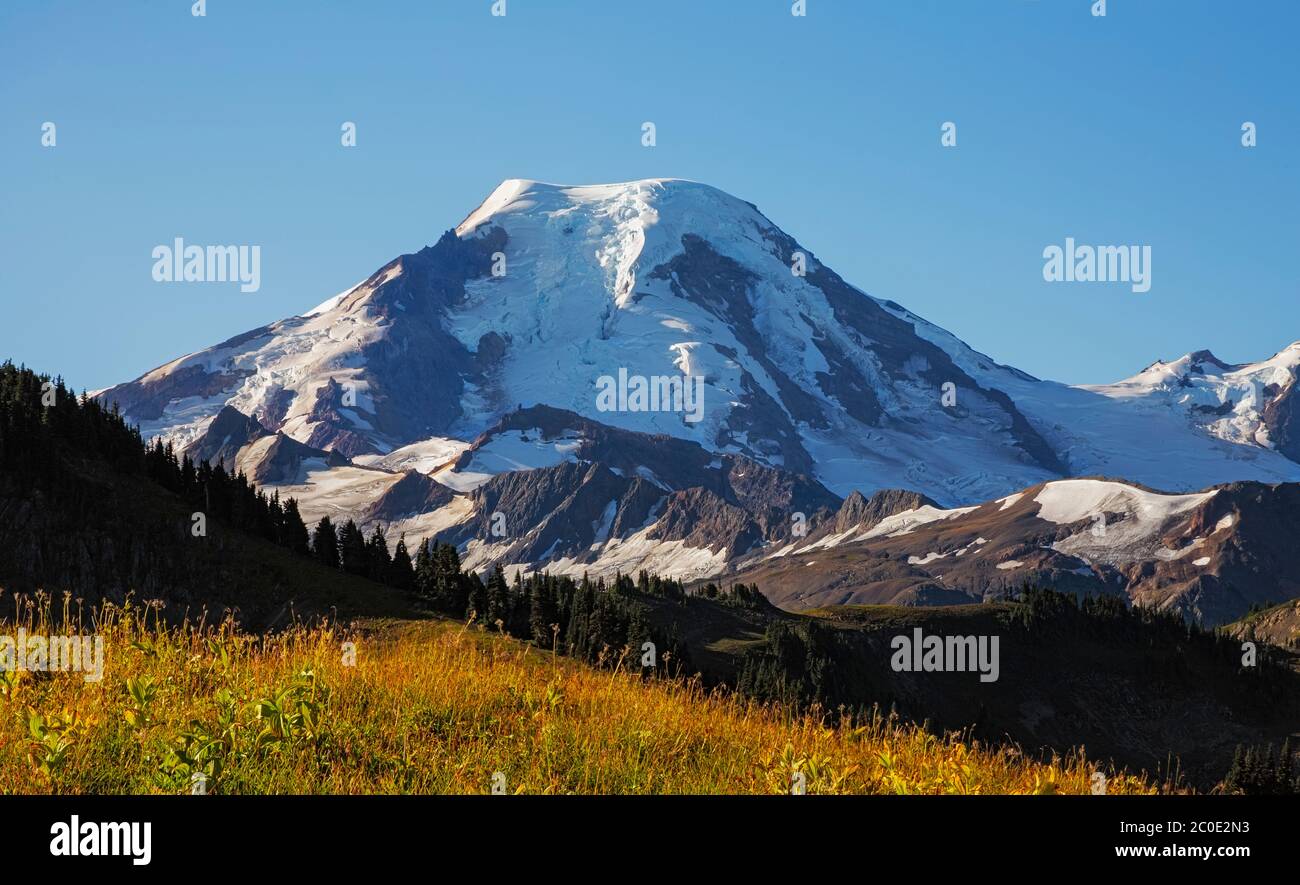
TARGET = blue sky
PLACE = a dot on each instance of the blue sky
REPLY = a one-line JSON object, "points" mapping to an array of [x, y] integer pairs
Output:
{"points": [[225, 129]]}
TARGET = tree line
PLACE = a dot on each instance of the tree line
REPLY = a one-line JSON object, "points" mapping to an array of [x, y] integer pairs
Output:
{"points": [[596, 621], [1256, 771]]}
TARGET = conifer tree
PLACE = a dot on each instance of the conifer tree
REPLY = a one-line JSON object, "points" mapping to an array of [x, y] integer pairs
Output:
{"points": [[424, 571], [542, 612], [476, 604], [325, 545], [352, 549], [400, 572], [295, 530], [379, 561], [498, 597]]}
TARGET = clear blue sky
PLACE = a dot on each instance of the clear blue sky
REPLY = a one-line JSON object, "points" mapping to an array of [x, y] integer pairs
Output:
{"points": [[225, 129]]}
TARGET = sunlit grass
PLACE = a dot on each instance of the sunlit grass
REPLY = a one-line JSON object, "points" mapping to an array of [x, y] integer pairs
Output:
{"points": [[439, 707]]}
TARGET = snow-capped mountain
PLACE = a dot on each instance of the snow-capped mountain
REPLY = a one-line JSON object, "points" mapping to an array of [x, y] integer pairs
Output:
{"points": [[666, 278], [1252, 404], [474, 379], [656, 278]]}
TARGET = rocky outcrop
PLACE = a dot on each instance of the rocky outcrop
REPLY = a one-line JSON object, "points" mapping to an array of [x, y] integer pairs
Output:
{"points": [[617, 483], [411, 495], [229, 432], [865, 513], [1281, 416], [229, 440], [1210, 556]]}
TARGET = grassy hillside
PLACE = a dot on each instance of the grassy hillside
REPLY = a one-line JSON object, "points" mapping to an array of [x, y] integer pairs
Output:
{"points": [[438, 707]]}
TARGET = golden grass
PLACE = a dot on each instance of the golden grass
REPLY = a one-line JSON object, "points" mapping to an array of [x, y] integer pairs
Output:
{"points": [[438, 707]]}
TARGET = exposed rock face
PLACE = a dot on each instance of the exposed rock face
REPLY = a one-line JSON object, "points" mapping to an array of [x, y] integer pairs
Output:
{"points": [[223, 439], [703, 519], [229, 440], [412, 377], [1281, 416], [1209, 556], [147, 398], [1277, 625], [902, 354], [282, 461], [865, 513], [616, 484], [413, 494], [1250, 533], [770, 494], [720, 286], [419, 370]]}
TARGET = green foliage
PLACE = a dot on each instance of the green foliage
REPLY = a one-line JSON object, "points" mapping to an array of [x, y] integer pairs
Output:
{"points": [[803, 663], [142, 692], [1256, 772], [740, 595], [50, 738], [592, 621], [292, 715]]}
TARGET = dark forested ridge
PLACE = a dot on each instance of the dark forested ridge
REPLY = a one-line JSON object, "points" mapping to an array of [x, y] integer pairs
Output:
{"points": [[86, 507]]}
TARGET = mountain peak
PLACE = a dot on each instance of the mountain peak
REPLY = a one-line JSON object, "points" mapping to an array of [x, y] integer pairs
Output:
{"points": [[1188, 363], [1202, 356], [528, 196]]}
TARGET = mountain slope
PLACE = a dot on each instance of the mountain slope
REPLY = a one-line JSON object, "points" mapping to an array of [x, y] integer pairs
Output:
{"points": [[107, 535], [550, 489], [470, 705], [1178, 426]]}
